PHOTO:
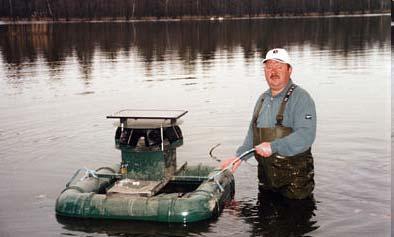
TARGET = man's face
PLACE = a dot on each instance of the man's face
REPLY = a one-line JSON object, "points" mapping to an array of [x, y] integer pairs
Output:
{"points": [[277, 74]]}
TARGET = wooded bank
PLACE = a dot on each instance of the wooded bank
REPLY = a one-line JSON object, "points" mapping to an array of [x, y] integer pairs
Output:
{"points": [[158, 9]]}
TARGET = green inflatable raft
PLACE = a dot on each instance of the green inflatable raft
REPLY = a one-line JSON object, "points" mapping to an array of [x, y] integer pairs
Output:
{"points": [[147, 185]]}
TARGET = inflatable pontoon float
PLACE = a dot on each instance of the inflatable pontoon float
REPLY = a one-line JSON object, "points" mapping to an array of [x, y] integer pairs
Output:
{"points": [[147, 184]]}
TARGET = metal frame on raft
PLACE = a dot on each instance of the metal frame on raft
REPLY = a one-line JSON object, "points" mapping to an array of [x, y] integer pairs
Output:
{"points": [[161, 115], [149, 187]]}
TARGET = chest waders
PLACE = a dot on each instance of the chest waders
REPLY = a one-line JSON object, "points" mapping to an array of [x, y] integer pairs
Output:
{"points": [[292, 176]]}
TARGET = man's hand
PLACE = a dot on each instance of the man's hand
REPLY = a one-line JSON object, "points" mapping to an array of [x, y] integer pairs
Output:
{"points": [[264, 149], [228, 161]]}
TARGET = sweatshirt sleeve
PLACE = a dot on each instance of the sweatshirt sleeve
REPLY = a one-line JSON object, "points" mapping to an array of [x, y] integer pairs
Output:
{"points": [[248, 141], [247, 144], [304, 128]]}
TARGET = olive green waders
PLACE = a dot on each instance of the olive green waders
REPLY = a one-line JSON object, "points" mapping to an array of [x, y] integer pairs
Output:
{"points": [[292, 176]]}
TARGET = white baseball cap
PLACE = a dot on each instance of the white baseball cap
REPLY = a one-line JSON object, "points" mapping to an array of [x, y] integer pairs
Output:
{"points": [[279, 55]]}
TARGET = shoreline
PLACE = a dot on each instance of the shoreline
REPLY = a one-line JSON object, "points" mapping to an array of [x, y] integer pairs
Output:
{"points": [[7, 21]]}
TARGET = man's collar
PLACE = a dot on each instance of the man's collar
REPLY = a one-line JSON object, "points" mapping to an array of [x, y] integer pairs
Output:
{"points": [[282, 93]]}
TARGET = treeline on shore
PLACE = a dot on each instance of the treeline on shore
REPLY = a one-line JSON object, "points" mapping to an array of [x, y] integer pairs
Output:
{"points": [[140, 9]]}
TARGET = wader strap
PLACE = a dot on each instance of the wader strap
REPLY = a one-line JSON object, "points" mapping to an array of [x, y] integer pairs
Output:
{"points": [[279, 116], [257, 111]]}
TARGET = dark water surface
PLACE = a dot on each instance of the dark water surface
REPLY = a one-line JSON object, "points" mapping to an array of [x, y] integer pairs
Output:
{"points": [[59, 81]]}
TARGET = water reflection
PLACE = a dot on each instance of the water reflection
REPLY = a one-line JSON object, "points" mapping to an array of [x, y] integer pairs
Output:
{"points": [[273, 215], [132, 228], [187, 41]]}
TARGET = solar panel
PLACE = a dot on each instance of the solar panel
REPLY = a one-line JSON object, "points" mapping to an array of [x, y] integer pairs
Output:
{"points": [[148, 114]]}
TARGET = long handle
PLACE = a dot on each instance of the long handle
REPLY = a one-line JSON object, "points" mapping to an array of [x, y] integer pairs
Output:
{"points": [[246, 153], [240, 158]]}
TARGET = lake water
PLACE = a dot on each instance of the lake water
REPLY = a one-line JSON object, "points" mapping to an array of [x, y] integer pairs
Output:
{"points": [[59, 81]]}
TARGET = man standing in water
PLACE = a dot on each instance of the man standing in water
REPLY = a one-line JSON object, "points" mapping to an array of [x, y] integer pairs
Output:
{"points": [[282, 131]]}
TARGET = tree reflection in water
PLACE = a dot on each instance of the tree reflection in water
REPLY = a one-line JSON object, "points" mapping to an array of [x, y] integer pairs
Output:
{"points": [[192, 42]]}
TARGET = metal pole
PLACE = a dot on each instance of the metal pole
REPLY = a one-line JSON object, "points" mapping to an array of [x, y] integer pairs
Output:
{"points": [[11, 11], [162, 137]]}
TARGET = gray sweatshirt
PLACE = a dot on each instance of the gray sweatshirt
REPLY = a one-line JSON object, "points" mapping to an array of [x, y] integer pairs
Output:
{"points": [[300, 115]]}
